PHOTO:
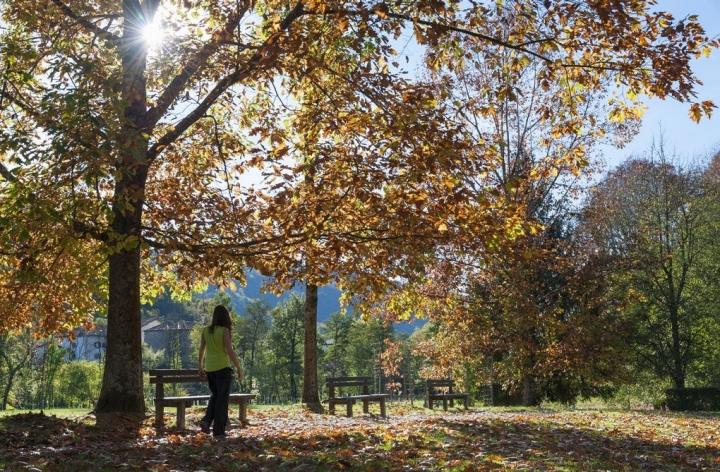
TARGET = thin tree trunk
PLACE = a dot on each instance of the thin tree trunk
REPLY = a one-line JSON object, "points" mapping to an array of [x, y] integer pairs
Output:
{"points": [[8, 386], [529, 393], [251, 368], [11, 375], [293, 383], [678, 371], [311, 395]]}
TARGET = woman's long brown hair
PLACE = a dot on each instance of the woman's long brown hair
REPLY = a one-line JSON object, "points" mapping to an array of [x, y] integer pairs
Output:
{"points": [[220, 317]]}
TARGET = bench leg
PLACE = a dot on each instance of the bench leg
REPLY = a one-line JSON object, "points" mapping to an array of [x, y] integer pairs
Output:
{"points": [[366, 406], [180, 423], [243, 411], [159, 414], [331, 407], [383, 412], [466, 401], [444, 400], [349, 408]]}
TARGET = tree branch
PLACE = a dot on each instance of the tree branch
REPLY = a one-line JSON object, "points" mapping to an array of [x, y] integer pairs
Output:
{"points": [[433, 24], [221, 87], [177, 85], [235, 249], [89, 25], [7, 175]]}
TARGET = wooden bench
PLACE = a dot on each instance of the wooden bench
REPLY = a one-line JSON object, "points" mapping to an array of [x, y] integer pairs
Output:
{"points": [[442, 390], [162, 377], [364, 383]]}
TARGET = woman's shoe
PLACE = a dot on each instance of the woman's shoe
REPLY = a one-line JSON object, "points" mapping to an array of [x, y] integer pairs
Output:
{"points": [[204, 427]]}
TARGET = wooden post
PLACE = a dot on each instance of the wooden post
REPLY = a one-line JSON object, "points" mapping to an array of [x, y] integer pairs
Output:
{"points": [[159, 407], [180, 415]]}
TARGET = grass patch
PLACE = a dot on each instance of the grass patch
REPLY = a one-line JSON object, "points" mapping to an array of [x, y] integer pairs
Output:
{"points": [[59, 412]]}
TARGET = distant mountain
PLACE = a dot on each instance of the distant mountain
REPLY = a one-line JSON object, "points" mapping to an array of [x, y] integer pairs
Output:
{"points": [[328, 299], [328, 296]]}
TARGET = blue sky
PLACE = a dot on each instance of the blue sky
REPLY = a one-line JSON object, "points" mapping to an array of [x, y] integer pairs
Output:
{"points": [[683, 136]]}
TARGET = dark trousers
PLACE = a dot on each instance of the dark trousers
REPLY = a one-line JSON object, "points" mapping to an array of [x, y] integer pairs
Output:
{"points": [[217, 409]]}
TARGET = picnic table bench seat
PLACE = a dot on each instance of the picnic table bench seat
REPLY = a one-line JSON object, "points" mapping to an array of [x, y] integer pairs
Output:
{"points": [[442, 390], [162, 377], [335, 384]]}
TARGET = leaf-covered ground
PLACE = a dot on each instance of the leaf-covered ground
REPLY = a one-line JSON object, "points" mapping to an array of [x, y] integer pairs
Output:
{"points": [[411, 439]]}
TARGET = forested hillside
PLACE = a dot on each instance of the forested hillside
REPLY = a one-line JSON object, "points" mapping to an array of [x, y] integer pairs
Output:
{"points": [[328, 296], [328, 299]]}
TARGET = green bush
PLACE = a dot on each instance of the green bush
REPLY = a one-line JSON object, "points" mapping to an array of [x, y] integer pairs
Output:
{"points": [[77, 384], [693, 399], [645, 391]]}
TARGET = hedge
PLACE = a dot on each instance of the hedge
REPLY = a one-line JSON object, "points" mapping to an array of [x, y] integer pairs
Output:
{"points": [[693, 399]]}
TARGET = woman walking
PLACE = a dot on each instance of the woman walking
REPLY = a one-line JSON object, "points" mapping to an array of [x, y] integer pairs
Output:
{"points": [[217, 353]]}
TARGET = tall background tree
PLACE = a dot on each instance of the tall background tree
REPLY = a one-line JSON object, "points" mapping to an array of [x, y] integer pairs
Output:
{"points": [[336, 336], [516, 306], [286, 339], [16, 351], [657, 218], [253, 329]]}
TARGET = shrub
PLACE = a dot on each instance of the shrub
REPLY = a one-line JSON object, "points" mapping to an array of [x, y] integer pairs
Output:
{"points": [[77, 384], [693, 399]]}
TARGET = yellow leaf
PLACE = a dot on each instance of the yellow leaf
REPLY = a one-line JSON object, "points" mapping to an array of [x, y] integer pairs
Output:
{"points": [[695, 112], [617, 116]]}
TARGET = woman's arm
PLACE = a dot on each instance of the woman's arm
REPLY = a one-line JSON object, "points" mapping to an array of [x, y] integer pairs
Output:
{"points": [[230, 352], [201, 357]]}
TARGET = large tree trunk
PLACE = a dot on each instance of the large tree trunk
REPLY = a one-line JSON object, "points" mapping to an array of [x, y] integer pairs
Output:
{"points": [[122, 386], [310, 378]]}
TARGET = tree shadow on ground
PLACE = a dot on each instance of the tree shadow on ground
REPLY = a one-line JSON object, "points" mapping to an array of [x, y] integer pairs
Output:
{"points": [[322, 442], [518, 443]]}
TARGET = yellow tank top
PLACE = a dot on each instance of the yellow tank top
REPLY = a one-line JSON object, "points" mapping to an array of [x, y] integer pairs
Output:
{"points": [[216, 357]]}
